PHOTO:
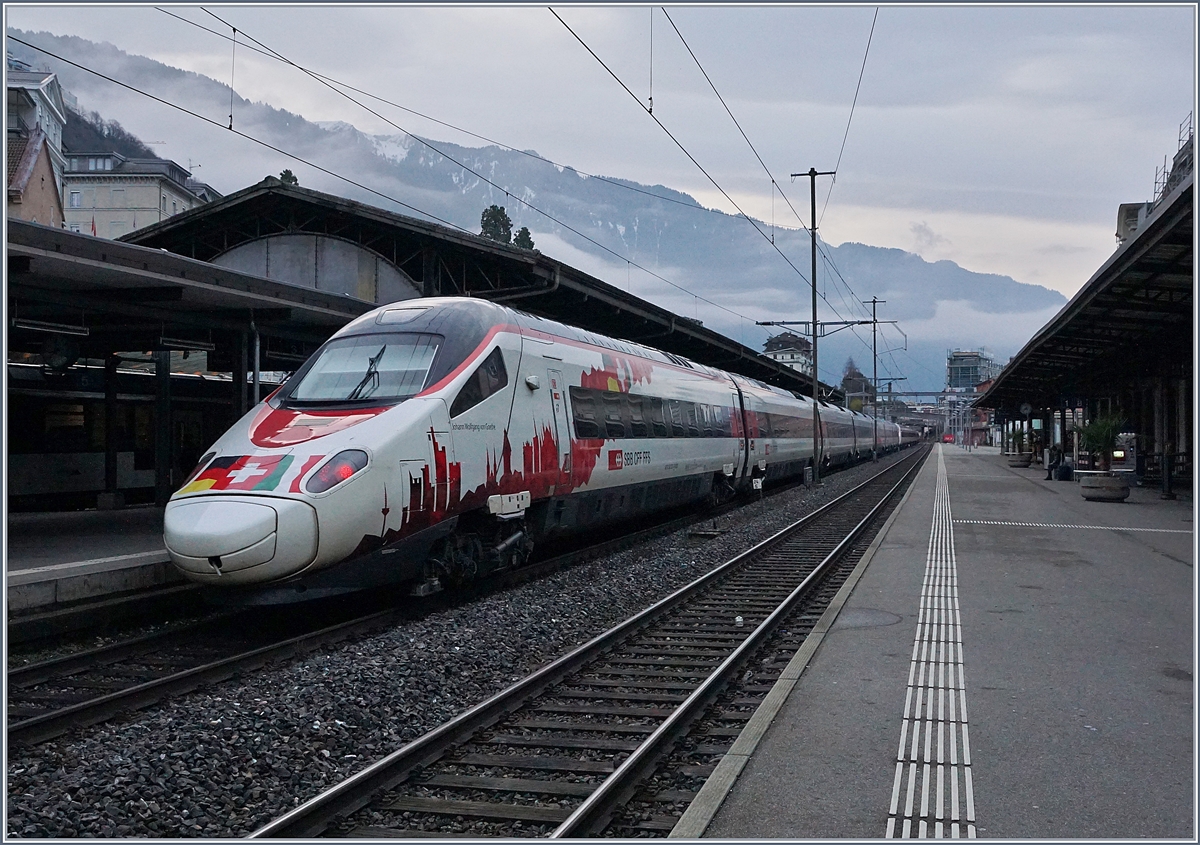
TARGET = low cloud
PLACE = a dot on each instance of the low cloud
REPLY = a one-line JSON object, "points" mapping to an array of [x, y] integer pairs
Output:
{"points": [[925, 238]]}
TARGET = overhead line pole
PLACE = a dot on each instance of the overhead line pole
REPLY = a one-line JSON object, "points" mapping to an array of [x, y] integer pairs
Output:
{"points": [[812, 175], [874, 379]]}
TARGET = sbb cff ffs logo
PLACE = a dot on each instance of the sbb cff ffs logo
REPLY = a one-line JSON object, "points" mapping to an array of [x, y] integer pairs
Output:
{"points": [[619, 460]]}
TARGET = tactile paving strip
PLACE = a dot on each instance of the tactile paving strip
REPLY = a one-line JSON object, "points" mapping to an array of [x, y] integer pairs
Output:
{"points": [[1068, 525], [932, 795]]}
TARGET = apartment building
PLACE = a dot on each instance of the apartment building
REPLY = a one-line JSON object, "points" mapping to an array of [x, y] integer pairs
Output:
{"points": [[109, 195]]}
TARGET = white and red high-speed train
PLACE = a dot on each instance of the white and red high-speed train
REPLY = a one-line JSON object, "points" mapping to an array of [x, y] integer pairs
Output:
{"points": [[434, 440]]}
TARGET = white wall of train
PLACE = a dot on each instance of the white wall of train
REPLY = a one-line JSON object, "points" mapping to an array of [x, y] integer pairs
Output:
{"points": [[438, 439]]}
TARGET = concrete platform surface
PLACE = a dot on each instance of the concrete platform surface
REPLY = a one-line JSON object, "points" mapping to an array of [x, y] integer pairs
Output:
{"points": [[46, 539], [1014, 662], [59, 558]]}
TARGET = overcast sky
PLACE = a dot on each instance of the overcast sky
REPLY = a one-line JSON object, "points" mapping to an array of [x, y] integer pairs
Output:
{"points": [[1002, 138]]}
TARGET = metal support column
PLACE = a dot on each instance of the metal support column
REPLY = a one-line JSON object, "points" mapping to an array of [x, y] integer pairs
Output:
{"points": [[257, 360], [111, 497], [812, 175], [239, 377], [163, 482]]}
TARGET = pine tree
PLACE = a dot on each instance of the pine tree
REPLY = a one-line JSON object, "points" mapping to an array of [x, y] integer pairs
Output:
{"points": [[523, 239], [495, 224]]}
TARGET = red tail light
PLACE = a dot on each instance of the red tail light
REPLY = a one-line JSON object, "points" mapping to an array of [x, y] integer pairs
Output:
{"points": [[336, 470]]}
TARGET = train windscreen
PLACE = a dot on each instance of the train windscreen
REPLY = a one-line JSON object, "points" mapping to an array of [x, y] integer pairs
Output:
{"points": [[372, 367]]}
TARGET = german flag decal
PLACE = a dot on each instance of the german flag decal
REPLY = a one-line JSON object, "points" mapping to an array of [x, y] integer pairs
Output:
{"points": [[244, 472]]}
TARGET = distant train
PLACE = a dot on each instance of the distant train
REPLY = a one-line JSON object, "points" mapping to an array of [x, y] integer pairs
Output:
{"points": [[436, 440]]}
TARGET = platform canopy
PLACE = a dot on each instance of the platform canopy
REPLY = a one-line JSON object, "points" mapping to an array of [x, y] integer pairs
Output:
{"points": [[108, 297], [1131, 321], [439, 260]]}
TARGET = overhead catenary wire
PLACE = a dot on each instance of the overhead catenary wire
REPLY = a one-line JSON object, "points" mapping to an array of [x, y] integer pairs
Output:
{"points": [[690, 205], [239, 133], [846, 135], [677, 143], [774, 184], [533, 155], [468, 168], [314, 165]]}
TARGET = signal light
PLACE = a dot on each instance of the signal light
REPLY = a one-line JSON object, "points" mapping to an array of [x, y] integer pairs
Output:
{"points": [[338, 469]]}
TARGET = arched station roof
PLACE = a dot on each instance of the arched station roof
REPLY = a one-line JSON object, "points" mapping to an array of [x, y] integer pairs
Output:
{"points": [[442, 261]]}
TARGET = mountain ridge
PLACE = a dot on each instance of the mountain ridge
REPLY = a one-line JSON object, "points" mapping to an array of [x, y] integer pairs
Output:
{"points": [[605, 225]]}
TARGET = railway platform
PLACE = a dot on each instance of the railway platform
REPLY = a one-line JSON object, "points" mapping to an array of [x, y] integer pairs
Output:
{"points": [[55, 559], [1013, 661]]}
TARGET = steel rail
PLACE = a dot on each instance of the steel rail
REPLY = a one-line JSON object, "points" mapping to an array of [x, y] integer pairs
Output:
{"points": [[52, 723], [49, 725], [590, 816], [312, 817], [58, 667]]}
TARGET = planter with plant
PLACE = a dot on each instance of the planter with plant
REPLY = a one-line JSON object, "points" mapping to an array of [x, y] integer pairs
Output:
{"points": [[1100, 438], [1018, 457]]}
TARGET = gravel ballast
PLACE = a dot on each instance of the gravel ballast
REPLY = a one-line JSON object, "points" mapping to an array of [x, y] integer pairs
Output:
{"points": [[225, 761]]}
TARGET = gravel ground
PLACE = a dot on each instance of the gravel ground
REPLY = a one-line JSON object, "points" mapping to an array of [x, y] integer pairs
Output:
{"points": [[225, 761]]}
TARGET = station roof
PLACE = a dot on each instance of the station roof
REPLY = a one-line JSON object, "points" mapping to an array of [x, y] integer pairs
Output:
{"points": [[1133, 319], [444, 261], [127, 297]]}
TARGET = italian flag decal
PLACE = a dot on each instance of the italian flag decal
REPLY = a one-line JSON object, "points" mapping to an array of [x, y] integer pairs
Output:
{"points": [[243, 472]]}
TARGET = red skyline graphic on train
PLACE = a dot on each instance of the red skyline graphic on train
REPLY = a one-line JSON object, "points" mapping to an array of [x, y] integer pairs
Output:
{"points": [[437, 492]]}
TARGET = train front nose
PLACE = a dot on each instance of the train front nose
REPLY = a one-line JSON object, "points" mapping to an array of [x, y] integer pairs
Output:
{"points": [[240, 539]]}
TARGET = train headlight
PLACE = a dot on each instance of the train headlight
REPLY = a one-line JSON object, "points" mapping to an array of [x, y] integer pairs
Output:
{"points": [[338, 469]]}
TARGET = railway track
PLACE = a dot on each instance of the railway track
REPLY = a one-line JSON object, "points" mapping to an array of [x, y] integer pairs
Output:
{"points": [[48, 698], [577, 748]]}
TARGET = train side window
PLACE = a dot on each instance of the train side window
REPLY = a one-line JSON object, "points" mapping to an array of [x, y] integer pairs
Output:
{"points": [[637, 416], [722, 422], [654, 413], [689, 412], [490, 377], [704, 415], [583, 409], [781, 426], [614, 426], [676, 411]]}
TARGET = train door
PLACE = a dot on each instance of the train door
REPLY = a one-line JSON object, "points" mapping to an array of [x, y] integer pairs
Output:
{"points": [[562, 429], [737, 422]]}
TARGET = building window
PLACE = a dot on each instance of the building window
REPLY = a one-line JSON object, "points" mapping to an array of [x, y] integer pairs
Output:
{"points": [[91, 164], [76, 200], [75, 227], [174, 207], [164, 202], [108, 164]]}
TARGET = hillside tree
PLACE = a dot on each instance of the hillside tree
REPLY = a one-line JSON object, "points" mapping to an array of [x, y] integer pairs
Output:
{"points": [[855, 382], [523, 239], [494, 223]]}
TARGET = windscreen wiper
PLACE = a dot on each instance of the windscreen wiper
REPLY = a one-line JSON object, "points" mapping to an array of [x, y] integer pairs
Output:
{"points": [[371, 377]]}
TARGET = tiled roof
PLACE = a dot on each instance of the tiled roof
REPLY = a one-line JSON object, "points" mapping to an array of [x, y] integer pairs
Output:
{"points": [[20, 167], [16, 151]]}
